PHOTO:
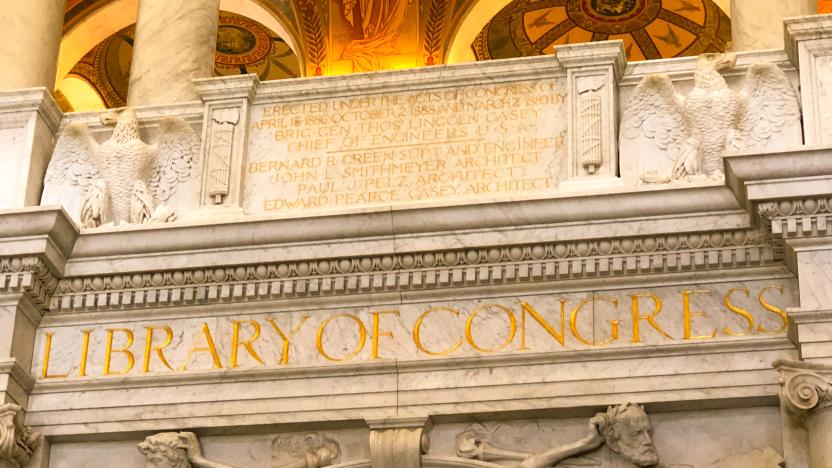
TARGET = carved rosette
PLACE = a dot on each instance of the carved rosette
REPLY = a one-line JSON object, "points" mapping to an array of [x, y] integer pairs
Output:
{"points": [[806, 388], [17, 442]]}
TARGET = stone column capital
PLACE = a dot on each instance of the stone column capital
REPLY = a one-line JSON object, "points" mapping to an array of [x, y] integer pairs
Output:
{"points": [[806, 388], [17, 442], [399, 442]]}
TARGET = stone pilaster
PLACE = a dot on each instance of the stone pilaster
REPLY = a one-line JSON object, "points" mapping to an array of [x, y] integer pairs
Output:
{"points": [[31, 38], [175, 44], [399, 443], [29, 116], [29, 120], [758, 24], [803, 228], [809, 44], [34, 246], [225, 133], [593, 72], [806, 394]]}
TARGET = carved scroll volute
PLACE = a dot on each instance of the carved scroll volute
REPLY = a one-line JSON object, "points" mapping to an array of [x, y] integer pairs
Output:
{"points": [[17, 442], [805, 388], [400, 447]]}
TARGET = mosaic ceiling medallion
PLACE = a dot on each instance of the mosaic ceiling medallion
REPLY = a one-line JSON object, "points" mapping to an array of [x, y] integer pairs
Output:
{"points": [[650, 29], [241, 41], [613, 16]]}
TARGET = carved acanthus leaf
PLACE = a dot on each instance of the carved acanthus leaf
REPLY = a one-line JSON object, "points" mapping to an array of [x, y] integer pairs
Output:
{"points": [[17, 442]]}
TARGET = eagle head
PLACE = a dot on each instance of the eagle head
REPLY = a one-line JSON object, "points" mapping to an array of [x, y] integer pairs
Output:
{"points": [[716, 62], [126, 124]]}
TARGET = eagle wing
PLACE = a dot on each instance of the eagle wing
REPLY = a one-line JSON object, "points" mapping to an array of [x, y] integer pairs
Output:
{"points": [[177, 158], [72, 170], [770, 114], [654, 128], [73, 160]]}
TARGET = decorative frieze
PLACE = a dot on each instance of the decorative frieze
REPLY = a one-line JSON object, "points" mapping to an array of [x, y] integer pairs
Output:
{"points": [[183, 450], [556, 261], [29, 275], [805, 217]]}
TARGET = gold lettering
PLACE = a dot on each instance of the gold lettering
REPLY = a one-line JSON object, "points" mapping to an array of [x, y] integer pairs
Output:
{"points": [[85, 350], [417, 332], [771, 308], [236, 343], [362, 338], [47, 352], [287, 340], [512, 328], [573, 322], [688, 315], [211, 348], [651, 319], [148, 347], [527, 308], [741, 312], [377, 333], [125, 350]]}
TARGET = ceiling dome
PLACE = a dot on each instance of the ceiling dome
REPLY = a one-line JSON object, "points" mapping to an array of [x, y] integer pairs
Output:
{"points": [[650, 29]]}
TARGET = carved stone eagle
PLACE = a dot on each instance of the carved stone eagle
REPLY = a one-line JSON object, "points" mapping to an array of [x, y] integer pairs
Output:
{"points": [[682, 137], [124, 179]]}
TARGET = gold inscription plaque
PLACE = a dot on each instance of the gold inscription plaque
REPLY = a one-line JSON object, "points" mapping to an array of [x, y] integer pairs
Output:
{"points": [[408, 332], [452, 143]]}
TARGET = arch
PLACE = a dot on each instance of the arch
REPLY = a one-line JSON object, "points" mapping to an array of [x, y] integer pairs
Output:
{"points": [[473, 22], [119, 14], [84, 96]]}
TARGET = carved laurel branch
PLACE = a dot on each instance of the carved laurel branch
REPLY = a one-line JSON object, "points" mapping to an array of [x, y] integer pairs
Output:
{"points": [[801, 217], [415, 271], [805, 389], [28, 275]]}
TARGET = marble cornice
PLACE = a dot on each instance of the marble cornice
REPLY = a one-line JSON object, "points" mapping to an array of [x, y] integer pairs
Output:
{"points": [[34, 246], [805, 217], [18, 373], [414, 271], [392, 81], [38, 100], [683, 68], [787, 199], [805, 28]]}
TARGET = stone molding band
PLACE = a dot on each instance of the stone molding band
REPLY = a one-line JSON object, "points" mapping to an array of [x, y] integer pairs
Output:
{"points": [[419, 271]]}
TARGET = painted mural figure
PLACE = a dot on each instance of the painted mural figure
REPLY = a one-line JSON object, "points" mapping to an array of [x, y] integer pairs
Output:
{"points": [[380, 22]]}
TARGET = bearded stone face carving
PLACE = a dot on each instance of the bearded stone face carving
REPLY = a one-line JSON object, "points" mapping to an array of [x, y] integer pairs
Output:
{"points": [[166, 450], [628, 433]]}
